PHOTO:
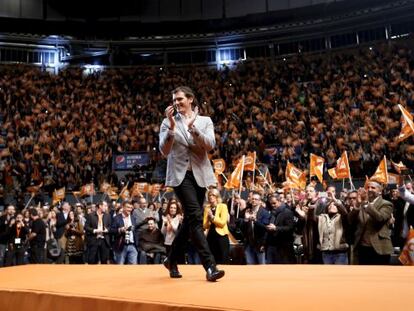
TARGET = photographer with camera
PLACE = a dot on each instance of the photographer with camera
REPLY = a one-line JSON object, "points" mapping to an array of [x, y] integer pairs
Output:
{"points": [[124, 229]]}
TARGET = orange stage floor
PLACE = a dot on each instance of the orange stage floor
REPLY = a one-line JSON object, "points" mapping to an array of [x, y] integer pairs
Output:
{"points": [[270, 287]]}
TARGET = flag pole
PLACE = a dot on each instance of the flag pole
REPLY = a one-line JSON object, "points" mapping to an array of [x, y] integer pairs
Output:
{"points": [[30, 200], [264, 177], [254, 166], [241, 175], [93, 189]]}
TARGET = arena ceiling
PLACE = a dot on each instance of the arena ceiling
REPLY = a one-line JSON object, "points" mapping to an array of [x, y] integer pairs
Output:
{"points": [[118, 18]]}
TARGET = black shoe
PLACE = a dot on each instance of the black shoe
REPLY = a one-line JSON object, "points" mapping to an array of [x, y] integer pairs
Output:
{"points": [[172, 268], [214, 274]]}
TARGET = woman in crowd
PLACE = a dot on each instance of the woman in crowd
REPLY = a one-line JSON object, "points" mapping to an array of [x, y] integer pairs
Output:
{"points": [[74, 239], [170, 222], [17, 233], [216, 216]]}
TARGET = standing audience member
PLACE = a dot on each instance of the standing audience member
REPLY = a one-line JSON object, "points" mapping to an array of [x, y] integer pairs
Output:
{"points": [[170, 222], [17, 233], [216, 216], [97, 234], [4, 224], [372, 218], [332, 227], [74, 239], [125, 231], [280, 233], [37, 238], [255, 220]]}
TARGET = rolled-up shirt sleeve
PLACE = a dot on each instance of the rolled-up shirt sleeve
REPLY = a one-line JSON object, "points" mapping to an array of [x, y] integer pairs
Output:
{"points": [[406, 195]]}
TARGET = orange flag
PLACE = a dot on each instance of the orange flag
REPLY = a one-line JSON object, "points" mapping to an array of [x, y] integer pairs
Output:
{"points": [[393, 179], [155, 189], [136, 190], [234, 180], [58, 195], [112, 193], [104, 187], [407, 124], [398, 166], [88, 189], [316, 166], [250, 162], [124, 193], [342, 166], [34, 189], [332, 173], [219, 166], [381, 174], [407, 254], [295, 177]]}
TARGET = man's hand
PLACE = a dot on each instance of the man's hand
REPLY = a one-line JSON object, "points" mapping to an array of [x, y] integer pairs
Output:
{"points": [[191, 121], [271, 227], [169, 113]]}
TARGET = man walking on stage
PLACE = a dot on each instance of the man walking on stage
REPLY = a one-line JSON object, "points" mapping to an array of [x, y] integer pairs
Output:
{"points": [[185, 139]]}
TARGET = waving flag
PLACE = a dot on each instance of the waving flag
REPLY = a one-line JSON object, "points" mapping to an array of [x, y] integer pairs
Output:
{"points": [[407, 125], [316, 166], [381, 174]]}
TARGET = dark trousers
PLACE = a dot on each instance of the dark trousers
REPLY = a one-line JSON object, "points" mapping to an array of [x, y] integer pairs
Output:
{"points": [[191, 197], [368, 256], [37, 254], [15, 256], [219, 246], [280, 254], [98, 250]]}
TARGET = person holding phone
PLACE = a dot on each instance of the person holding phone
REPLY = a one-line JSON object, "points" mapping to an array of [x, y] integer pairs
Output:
{"points": [[185, 139]]}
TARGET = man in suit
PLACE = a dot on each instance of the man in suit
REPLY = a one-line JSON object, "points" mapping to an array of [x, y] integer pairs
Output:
{"points": [[97, 234], [124, 228], [185, 139], [372, 218], [407, 213], [62, 219]]}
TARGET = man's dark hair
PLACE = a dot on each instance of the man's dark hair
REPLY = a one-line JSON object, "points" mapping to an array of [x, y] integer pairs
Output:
{"points": [[188, 92], [33, 212]]}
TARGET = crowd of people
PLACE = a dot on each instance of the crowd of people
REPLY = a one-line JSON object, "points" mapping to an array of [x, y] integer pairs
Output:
{"points": [[63, 130], [364, 226]]}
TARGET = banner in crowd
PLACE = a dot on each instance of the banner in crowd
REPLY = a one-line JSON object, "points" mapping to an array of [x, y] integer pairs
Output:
{"points": [[316, 166], [219, 166], [407, 124], [295, 178], [399, 167], [127, 161], [381, 174], [341, 171], [58, 195], [88, 189], [235, 178], [407, 254], [250, 162]]}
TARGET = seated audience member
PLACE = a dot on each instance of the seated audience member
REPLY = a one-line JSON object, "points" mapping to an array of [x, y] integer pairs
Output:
{"points": [[151, 243]]}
